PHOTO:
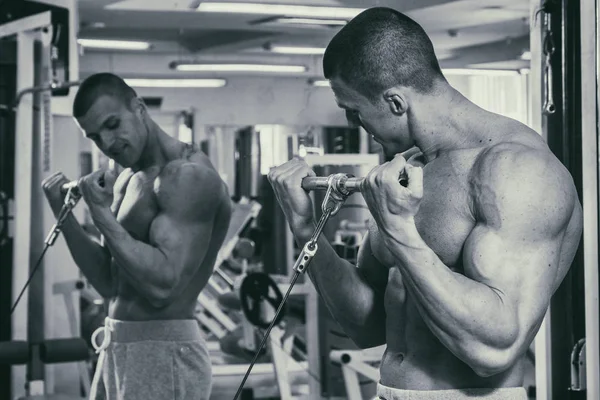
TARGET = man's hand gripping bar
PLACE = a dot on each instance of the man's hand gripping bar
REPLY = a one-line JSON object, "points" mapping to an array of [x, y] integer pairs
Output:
{"points": [[343, 183]]}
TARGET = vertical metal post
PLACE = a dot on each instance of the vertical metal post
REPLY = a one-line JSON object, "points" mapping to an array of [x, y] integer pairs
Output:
{"points": [[564, 131], [543, 366], [590, 72], [313, 341], [23, 182], [543, 343], [36, 293], [26, 31]]}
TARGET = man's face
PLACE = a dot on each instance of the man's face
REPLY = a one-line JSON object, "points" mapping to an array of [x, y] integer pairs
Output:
{"points": [[120, 133], [387, 128]]}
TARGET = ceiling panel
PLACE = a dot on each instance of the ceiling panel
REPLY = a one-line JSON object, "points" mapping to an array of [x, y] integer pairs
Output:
{"points": [[456, 27]]}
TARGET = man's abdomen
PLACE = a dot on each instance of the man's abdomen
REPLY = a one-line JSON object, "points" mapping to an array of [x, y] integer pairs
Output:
{"points": [[415, 359], [131, 305]]}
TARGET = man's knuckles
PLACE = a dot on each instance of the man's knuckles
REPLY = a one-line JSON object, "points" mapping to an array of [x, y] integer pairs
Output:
{"points": [[390, 175]]}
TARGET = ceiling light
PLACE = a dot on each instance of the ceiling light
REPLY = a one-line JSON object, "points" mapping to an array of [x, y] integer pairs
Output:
{"points": [[311, 21], [238, 68], [280, 9], [320, 83], [296, 50], [113, 44], [176, 83]]}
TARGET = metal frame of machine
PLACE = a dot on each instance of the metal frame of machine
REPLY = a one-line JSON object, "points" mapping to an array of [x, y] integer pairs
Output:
{"points": [[590, 72], [36, 74], [28, 30], [283, 371]]}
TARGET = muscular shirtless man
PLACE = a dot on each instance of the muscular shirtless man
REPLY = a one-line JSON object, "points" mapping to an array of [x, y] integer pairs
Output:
{"points": [[459, 267], [163, 220]]}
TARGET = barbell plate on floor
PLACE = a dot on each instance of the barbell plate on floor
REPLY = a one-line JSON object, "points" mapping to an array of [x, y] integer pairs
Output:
{"points": [[257, 289], [14, 353], [64, 350]]}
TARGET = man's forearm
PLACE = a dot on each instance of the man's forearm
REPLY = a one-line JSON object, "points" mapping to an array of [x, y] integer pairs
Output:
{"points": [[144, 265], [351, 301], [468, 317], [92, 259]]}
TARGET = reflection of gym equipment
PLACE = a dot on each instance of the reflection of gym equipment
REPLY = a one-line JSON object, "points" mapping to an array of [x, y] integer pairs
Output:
{"points": [[256, 288], [36, 355], [346, 243], [209, 314], [331, 204], [255, 298], [345, 231], [42, 43], [231, 338], [354, 362], [66, 289]]}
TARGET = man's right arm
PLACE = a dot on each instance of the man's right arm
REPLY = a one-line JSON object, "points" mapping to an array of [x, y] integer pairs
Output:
{"points": [[354, 295], [92, 258]]}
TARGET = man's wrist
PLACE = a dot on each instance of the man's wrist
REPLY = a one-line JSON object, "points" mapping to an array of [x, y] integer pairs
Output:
{"points": [[303, 230], [100, 215], [404, 235]]}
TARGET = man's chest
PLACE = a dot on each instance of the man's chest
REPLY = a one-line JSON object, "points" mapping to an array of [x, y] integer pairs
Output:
{"points": [[135, 204], [444, 219]]}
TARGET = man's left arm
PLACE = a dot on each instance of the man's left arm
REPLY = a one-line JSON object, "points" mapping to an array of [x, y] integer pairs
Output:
{"points": [[488, 316], [189, 196]]}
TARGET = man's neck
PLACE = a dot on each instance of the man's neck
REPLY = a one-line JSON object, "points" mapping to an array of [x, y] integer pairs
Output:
{"points": [[160, 149], [446, 122]]}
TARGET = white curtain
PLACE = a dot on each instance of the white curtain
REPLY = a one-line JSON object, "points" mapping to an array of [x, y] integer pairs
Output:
{"points": [[504, 95]]}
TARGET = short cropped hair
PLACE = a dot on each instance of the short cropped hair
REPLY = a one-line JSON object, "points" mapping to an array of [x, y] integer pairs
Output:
{"points": [[381, 48], [101, 84]]}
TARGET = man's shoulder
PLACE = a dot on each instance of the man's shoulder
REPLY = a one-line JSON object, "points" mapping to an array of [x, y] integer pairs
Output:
{"points": [[516, 177], [516, 160], [185, 184]]}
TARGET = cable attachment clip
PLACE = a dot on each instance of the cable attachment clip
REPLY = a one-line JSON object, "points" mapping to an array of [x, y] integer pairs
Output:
{"points": [[305, 257], [71, 200], [336, 193], [335, 197]]}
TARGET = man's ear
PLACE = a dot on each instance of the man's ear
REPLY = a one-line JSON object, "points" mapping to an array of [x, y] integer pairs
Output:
{"points": [[137, 105], [396, 101]]}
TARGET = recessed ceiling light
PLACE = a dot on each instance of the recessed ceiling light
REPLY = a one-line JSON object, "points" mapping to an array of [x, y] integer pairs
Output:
{"points": [[197, 67], [281, 9], [296, 49], [310, 21], [175, 83], [113, 44]]}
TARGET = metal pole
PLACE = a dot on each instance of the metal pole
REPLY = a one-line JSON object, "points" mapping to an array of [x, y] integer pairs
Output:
{"points": [[23, 185], [590, 72]]}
